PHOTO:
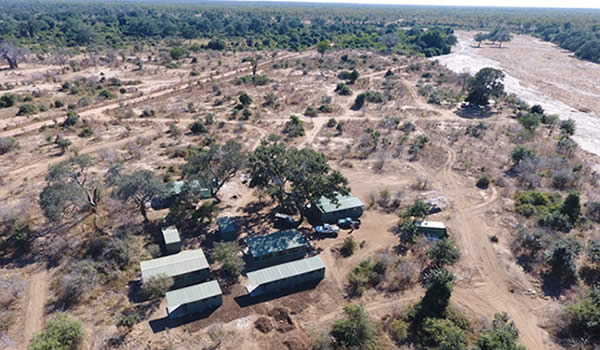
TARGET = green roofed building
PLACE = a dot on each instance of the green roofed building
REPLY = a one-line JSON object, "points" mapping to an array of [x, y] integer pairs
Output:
{"points": [[346, 207], [286, 276], [174, 189], [186, 268], [432, 229], [171, 239], [194, 299], [276, 248]]}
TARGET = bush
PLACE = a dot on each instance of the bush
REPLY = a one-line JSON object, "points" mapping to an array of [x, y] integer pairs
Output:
{"points": [[580, 319], [61, 333], [227, 253], [359, 102], [483, 182], [294, 127], [561, 258], [177, 53], [8, 144], [59, 104], [27, 109], [245, 99], [348, 246], [443, 253], [368, 274], [72, 119], [8, 100], [80, 277], [374, 96], [157, 286], [310, 112], [331, 123], [351, 77], [343, 89], [106, 94], [198, 127], [86, 132], [567, 127], [530, 121]]}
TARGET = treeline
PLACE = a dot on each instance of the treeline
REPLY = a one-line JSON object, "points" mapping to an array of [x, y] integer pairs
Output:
{"points": [[46, 24]]}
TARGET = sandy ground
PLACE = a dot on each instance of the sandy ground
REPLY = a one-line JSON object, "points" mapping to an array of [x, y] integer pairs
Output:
{"points": [[540, 73]]}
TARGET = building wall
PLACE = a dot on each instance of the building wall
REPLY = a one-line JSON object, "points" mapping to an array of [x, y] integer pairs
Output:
{"points": [[197, 307], [333, 217], [228, 235], [279, 257], [432, 232], [191, 278], [290, 283], [173, 248]]}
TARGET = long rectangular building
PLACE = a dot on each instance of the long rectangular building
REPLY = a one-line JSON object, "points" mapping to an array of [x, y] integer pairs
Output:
{"points": [[286, 276], [186, 267], [276, 248], [194, 299]]}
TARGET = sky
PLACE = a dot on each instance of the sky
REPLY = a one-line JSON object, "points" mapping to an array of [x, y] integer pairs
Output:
{"points": [[502, 3]]}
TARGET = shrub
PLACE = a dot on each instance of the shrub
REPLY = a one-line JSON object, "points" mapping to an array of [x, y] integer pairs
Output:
{"points": [[79, 278], [417, 147], [331, 123], [106, 94], [310, 112], [561, 258], [177, 53], [72, 119], [59, 104], [245, 99], [374, 96], [348, 246], [8, 100], [367, 274], [157, 286], [7, 144], [567, 127], [61, 333], [198, 127], [294, 127], [580, 319], [27, 109], [521, 153], [351, 77], [483, 182], [343, 89], [359, 102], [530, 121], [86, 132]]}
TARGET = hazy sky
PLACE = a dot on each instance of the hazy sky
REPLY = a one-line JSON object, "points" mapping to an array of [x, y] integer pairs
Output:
{"points": [[505, 3]]}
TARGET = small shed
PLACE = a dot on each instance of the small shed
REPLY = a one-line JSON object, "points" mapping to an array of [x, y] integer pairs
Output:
{"points": [[432, 229], [286, 276], [346, 207], [171, 239], [186, 268], [276, 248], [227, 228], [194, 299]]}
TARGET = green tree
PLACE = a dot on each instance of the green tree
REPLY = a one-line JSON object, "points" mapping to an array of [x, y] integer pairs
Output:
{"points": [[356, 331], [443, 334], [215, 166], [593, 251], [561, 258], [69, 188], [294, 127], [227, 253], [502, 335], [521, 153], [322, 47], [61, 333], [487, 83], [419, 209], [530, 121], [439, 289], [567, 127], [571, 207], [141, 187], [292, 177], [480, 37], [177, 53], [443, 253]]}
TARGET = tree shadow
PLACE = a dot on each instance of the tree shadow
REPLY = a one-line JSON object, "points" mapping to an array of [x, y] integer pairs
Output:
{"points": [[554, 285], [475, 112], [162, 324], [590, 275], [249, 300]]}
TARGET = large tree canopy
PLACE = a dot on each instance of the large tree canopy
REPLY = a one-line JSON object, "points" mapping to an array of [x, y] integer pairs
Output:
{"points": [[140, 187], [214, 166], [70, 188], [487, 83], [292, 177]]}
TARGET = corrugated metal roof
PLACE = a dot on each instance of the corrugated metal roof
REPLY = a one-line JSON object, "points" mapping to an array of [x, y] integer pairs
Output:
{"points": [[275, 242], [170, 234], [175, 265], [286, 270], [431, 224], [193, 293], [226, 224], [325, 205]]}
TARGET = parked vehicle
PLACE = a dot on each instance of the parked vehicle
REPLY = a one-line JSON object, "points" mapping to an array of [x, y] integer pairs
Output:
{"points": [[349, 223], [285, 221], [327, 229], [434, 208]]}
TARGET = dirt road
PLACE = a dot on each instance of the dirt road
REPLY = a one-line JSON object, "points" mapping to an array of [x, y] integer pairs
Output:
{"points": [[34, 309]]}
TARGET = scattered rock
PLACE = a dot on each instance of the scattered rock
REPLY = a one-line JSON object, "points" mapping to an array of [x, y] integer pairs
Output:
{"points": [[263, 324]]}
